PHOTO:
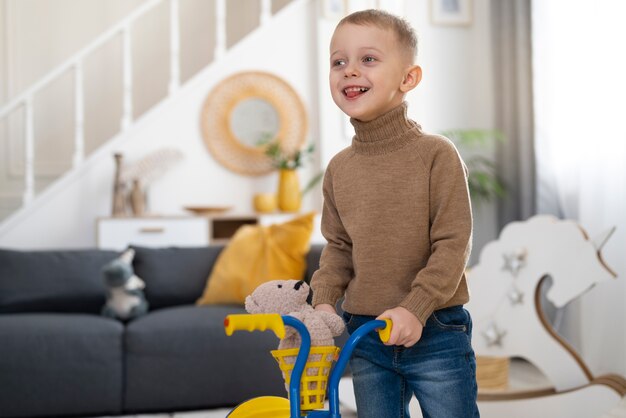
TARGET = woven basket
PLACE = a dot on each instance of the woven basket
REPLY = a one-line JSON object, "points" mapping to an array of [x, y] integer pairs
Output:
{"points": [[492, 373], [315, 377]]}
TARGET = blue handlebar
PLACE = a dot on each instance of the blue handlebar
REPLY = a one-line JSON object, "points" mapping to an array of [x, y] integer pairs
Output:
{"points": [[298, 368], [342, 361], [337, 371]]}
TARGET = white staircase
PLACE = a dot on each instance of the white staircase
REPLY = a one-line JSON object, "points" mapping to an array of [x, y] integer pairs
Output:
{"points": [[14, 207]]}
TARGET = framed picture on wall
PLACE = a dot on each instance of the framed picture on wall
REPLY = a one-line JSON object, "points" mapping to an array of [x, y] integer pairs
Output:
{"points": [[451, 12]]}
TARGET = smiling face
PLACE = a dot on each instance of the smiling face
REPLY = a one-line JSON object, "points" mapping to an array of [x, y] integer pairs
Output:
{"points": [[369, 72]]}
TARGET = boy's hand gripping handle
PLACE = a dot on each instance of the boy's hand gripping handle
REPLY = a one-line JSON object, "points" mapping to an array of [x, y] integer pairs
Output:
{"points": [[385, 333], [252, 322]]}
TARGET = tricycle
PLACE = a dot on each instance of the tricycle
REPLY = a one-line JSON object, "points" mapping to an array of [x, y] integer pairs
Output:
{"points": [[309, 377]]}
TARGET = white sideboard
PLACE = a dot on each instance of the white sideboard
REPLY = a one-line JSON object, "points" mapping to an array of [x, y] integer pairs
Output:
{"points": [[116, 233]]}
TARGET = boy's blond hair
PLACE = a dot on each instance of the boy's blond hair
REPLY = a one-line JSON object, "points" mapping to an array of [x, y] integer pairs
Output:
{"points": [[387, 21]]}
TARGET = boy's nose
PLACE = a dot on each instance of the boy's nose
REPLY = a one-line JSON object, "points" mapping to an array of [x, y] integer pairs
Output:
{"points": [[351, 71]]}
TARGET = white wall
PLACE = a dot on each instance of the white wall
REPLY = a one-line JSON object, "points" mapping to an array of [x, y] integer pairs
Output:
{"points": [[55, 30], [457, 89]]}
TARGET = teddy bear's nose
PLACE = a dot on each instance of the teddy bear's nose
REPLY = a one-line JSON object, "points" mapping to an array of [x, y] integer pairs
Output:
{"points": [[298, 285]]}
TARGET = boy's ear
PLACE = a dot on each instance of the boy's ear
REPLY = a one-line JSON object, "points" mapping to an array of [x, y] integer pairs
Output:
{"points": [[412, 78]]}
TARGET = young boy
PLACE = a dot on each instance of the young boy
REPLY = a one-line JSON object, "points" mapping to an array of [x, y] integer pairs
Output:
{"points": [[398, 222]]}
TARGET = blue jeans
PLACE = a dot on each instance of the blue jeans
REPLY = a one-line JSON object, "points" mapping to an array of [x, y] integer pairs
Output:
{"points": [[440, 370]]}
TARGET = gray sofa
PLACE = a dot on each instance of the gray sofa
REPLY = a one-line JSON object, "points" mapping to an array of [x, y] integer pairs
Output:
{"points": [[60, 357]]}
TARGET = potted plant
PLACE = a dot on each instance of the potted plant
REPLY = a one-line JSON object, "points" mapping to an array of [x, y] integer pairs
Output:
{"points": [[483, 181], [289, 193]]}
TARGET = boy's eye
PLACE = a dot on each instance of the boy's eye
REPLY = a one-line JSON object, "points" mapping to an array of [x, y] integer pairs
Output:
{"points": [[369, 59], [338, 62]]}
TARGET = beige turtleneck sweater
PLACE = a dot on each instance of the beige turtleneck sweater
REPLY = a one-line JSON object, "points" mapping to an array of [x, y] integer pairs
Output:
{"points": [[398, 221]]}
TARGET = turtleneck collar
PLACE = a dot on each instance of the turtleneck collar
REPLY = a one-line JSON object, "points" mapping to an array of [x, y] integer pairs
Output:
{"points": [[387, 133]]}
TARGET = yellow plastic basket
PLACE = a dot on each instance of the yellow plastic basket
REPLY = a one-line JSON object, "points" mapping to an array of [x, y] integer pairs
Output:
{"points": [[315, 377]]}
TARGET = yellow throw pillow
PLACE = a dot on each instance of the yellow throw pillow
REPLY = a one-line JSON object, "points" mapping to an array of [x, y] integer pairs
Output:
{"points": [[257, 254]]}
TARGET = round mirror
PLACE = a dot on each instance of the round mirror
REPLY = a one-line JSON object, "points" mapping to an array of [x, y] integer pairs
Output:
{"points": [[247, 109], [254, 122]]}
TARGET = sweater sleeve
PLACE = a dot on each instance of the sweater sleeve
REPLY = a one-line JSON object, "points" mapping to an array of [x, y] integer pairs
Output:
{"points": [[336, 269], [450, 234]]}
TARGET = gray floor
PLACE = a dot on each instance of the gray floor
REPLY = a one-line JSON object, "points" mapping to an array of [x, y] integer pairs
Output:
{"points": [[618, 412], [215, 413], [523, 376]]}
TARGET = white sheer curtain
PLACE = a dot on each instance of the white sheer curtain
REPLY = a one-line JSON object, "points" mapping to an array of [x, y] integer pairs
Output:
{"points": [[579, 70]]}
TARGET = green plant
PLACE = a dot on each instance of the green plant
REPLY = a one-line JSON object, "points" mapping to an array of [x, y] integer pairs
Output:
{"points": [[285, 161], [483, 181], [280, 159]]}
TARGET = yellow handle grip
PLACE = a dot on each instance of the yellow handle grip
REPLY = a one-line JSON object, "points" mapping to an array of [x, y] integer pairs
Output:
{"points": [[385, 333], [252, 322]]}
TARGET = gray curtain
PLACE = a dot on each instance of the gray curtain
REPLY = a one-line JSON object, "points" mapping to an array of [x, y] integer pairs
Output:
{"points": [[512, 52], [511, 41]]}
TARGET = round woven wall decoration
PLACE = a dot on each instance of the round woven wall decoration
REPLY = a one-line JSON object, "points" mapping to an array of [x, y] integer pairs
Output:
{"points": [[228, 97]]}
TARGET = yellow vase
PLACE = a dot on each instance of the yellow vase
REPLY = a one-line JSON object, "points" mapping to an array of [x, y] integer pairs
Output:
{"points": [[289, 196], [265, 202]]}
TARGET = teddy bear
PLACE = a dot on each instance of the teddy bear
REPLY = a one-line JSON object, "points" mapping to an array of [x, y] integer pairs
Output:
{"points": [[289, 297], [125, 298]]}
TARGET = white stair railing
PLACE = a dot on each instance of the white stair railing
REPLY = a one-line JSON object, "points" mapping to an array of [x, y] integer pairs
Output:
{"points": [[79, 116], [76, 64], [29, 151], [174, 48], [127, 78]]}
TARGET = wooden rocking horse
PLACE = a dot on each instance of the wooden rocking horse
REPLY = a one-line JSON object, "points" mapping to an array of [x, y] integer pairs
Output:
{"points": [[509, 320]]}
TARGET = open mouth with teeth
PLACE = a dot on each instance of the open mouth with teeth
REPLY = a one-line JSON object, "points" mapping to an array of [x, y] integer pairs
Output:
{"points": [[354, 91]]}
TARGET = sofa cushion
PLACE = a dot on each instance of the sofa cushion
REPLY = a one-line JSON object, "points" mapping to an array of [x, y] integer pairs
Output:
{"points": [[257, 254], [180, 358], [313, 261], [173, 275], [52, 281], [60, 364]]}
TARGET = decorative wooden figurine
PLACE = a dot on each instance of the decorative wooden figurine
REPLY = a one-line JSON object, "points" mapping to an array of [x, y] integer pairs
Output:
{"points": [[140, 174], [119, 192], [509, 320], [137, 199]]}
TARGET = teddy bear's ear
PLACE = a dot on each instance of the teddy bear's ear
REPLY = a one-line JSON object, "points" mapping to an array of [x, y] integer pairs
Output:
{"points": [[252, 306]]}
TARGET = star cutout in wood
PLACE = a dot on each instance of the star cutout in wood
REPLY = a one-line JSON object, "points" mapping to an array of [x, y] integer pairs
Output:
{"points": [[514, 261], [493, 335], [515, 297]]}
